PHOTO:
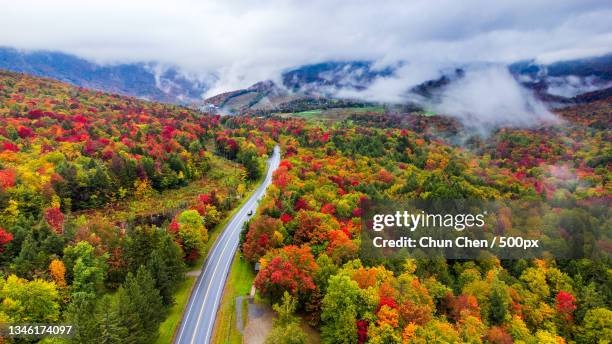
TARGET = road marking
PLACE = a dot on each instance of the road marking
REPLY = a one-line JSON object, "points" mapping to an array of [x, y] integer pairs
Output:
{"points": [[212, 278], [198, 290], [227, 236]]}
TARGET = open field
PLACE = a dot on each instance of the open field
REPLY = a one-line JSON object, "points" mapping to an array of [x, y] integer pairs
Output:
{"points": [[334, 113]]}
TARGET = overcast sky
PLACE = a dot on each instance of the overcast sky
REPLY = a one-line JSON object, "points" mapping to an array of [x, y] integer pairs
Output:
{"points": [[247, 41]]}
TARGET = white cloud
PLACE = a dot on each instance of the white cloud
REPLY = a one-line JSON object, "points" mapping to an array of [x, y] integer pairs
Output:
{"points": [[246, 41], [489, 97]]}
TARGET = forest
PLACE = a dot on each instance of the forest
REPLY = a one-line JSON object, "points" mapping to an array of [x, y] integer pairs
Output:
{"points": [[81, 172]]}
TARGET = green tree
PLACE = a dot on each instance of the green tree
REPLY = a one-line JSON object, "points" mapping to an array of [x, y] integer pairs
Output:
{"points": [[140, 307], [140, 243], [81, 313], [110, 330], [25, 262], [289, 334], [25, 301], [597, 326], [192, 230], [500, 300], [247, 156], [88, 270], [339, 311], [286, 328], [166, 267]]}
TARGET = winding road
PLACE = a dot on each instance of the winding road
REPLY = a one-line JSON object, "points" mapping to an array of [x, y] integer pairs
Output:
{"points": [[199, 318]]}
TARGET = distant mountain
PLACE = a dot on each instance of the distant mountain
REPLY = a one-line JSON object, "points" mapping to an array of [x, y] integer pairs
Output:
{"points": [[311, 86], [564, 80], [304, 87], [143, 80], [316, 78]]}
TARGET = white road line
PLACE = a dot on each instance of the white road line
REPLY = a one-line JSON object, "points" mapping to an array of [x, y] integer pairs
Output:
{"points": [[228, 233], [212, 278], [194, 297]]}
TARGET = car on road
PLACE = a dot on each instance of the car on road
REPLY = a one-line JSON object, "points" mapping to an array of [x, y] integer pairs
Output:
{"points": [[250, 213]]}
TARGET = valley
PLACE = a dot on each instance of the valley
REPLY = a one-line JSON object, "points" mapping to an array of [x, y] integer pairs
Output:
{"points": [[107, 201]]}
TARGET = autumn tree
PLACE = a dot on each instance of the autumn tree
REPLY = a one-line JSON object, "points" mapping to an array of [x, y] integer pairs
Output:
{"points": [[340, 311], [25, 301], [286, 323], [290, 269], [263, 234], [5, 238], [58, 272], [55, 219]]}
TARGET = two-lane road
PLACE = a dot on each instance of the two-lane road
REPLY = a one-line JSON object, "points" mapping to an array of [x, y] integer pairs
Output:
{"points": [[199, 317]]}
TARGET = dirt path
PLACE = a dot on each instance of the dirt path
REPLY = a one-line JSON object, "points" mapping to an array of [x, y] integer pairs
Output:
{"points": [[259, 323]]}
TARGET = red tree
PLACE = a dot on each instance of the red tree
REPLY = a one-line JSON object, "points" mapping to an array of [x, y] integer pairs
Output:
{"points": [[290, 269], [565, 304], [362, 331], [281, 178], [464, 305], [7, 179], [260, 237], [498, 335], [55, 219], [5, 238]]}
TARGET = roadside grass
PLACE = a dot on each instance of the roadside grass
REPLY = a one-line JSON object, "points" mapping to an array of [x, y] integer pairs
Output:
{"points": [[238, 283], [166, 329]]}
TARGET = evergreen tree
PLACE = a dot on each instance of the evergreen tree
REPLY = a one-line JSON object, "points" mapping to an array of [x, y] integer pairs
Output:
{"points": [[139, 245], [25, 261], [500, 300], [110, 330], [167, 267], [139, 306], [80, 313]]}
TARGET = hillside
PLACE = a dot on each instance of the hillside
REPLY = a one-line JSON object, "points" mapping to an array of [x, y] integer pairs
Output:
{"points": [[105, 200], [87, 182], [150, 81]]}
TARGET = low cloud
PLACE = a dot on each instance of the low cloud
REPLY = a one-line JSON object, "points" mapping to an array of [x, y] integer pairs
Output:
{"points": [[489, 97], [483, 97], [573, 85], [242, 42]]}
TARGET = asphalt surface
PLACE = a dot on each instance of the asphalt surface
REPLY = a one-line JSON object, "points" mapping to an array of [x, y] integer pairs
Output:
{"points": [[199, 318]]}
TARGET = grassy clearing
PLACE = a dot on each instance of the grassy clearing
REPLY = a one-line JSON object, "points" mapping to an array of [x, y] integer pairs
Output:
{"points": [[238, 283], [428, 113], [221, 171], [334, 114], [309, 113], [166, 329]]}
